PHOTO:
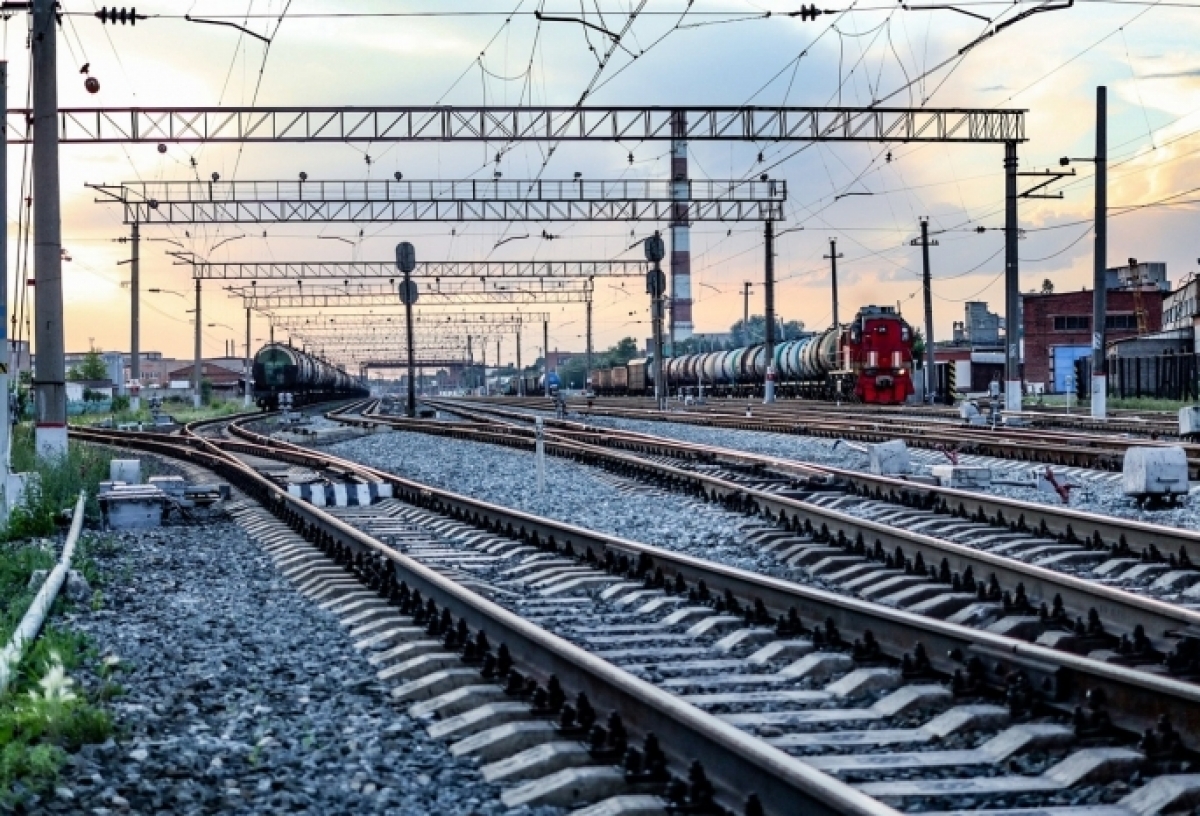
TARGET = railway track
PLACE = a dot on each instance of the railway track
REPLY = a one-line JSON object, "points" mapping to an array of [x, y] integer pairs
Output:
{"points": [[1035, 571], [737, 672], [1094, 451], [1136, 423]]}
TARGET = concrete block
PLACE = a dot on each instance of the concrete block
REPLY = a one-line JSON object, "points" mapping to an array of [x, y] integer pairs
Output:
{"points": [[1189, 421], [478, 719], [1151, 472], [128, 471], [432, 685], [629, 805], [573, 787], [965, 476], [506, 740], [889, 458], [538, 761], [455, 702]]}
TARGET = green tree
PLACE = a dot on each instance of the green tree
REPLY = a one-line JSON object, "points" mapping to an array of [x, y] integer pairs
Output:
{"points": [[754, 331], [206, 392], [1047, 287], [91, 368], [624, 351]]}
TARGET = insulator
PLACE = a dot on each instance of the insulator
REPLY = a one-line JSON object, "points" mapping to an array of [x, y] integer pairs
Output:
{"points": [[92, 84]]}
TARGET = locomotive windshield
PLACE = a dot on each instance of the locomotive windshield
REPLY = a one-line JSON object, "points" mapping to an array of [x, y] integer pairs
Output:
{"points": [[274, 362]]}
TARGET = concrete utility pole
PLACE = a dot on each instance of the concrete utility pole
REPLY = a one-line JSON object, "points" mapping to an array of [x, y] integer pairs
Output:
{"points": [[546, 357], [470, 364], [520, 373], [927, 287], [1012, 283], [135, 297], [49, 382], [5, 419], [497, 369], [1100, 261], [769, 297], [587, 374], [196, 367], [246, 372], [833, 259]]}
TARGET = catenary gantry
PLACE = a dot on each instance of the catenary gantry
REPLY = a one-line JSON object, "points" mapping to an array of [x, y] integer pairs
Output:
{"points": [[349, 270], [501, 124], [341, 201]]}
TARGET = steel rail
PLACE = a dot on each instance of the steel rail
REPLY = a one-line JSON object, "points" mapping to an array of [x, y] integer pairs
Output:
{"points": [[1079, 526], [736, 762], [1121, 611], [1062, 680]]}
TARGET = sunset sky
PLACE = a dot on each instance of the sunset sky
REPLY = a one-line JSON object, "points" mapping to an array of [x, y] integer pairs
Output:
{"points": [[721, 52]]}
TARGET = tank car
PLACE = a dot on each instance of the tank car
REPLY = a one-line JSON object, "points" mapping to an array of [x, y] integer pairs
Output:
{"points": [[279, 368]]}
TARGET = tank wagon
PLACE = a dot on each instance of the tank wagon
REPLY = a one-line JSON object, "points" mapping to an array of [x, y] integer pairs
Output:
{"points": [[280, 368], [868, 360]]}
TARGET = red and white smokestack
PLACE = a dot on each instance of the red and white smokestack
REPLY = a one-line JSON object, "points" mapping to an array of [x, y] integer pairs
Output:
{"points": [[681, 248]]}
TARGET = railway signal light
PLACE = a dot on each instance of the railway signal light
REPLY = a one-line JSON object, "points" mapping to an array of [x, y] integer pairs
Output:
{"points": [[114, 15]]}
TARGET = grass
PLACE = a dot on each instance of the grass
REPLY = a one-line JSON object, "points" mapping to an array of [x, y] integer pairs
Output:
{"points": [[1127, 404], [44, 715], [57, 485], [182, 413]]}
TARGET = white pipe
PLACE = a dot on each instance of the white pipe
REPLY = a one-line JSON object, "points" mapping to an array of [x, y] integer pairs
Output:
{"points": [[35, 616]]}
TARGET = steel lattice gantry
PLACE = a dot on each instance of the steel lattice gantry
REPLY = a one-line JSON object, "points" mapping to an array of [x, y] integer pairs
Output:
{"points": [[508, 124], [327, 295], [347, 270], [259, 202], [487, 321]]}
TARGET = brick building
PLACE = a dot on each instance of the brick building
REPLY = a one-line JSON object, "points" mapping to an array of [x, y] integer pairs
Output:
{"points": [[1058, 330]]}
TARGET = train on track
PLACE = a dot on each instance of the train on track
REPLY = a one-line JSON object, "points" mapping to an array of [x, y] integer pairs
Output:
{"points": [[280, 368], [868, 360]]}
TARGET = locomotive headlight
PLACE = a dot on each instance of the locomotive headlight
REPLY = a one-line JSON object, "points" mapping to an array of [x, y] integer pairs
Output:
{"points": [[901, 372]]}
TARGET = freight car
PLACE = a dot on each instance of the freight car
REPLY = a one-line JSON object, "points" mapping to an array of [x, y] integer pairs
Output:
{"points": [[868, 360], [280, 368]]}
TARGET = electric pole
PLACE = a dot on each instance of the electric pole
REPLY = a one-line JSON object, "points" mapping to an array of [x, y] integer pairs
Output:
{"points": [[196, 371], [246, 360], [49, 381], [587, 375], [520, 373], [135, 331], [5, 419], [927, 286], [1100, 261], [1012, 285], [546, 357], [833, 259], [769, 298]]}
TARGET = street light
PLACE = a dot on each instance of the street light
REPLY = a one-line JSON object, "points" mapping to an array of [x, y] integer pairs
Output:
{"points": [[167, 292]]}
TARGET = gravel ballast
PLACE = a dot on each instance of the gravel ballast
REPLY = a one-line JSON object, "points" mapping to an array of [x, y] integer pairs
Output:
{"points": [[1099, 491], [573, 493], [244, 697]]}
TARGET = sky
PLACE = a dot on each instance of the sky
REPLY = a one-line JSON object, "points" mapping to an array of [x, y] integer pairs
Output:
{"points": [[707, 52]]}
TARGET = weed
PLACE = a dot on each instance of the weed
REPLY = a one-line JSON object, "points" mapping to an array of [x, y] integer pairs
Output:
{"points": [[41, 724], [57, 484]]}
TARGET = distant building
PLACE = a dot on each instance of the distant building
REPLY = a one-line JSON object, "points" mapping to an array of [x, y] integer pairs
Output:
{"points": [[1058, 330], [1151, 274], [222, 378], [980, 327]]}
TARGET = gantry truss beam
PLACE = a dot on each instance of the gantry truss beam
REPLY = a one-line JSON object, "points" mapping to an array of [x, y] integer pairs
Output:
{"points": [[504, 124], [323, 294], [276, 202], [402, 362], [347, 270], [386, 296], [391, 335], [420, 319]]}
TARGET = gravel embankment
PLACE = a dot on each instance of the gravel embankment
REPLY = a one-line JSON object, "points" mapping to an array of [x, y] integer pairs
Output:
{"points": [[573, 493], [1099, 491], [243, 697]]}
